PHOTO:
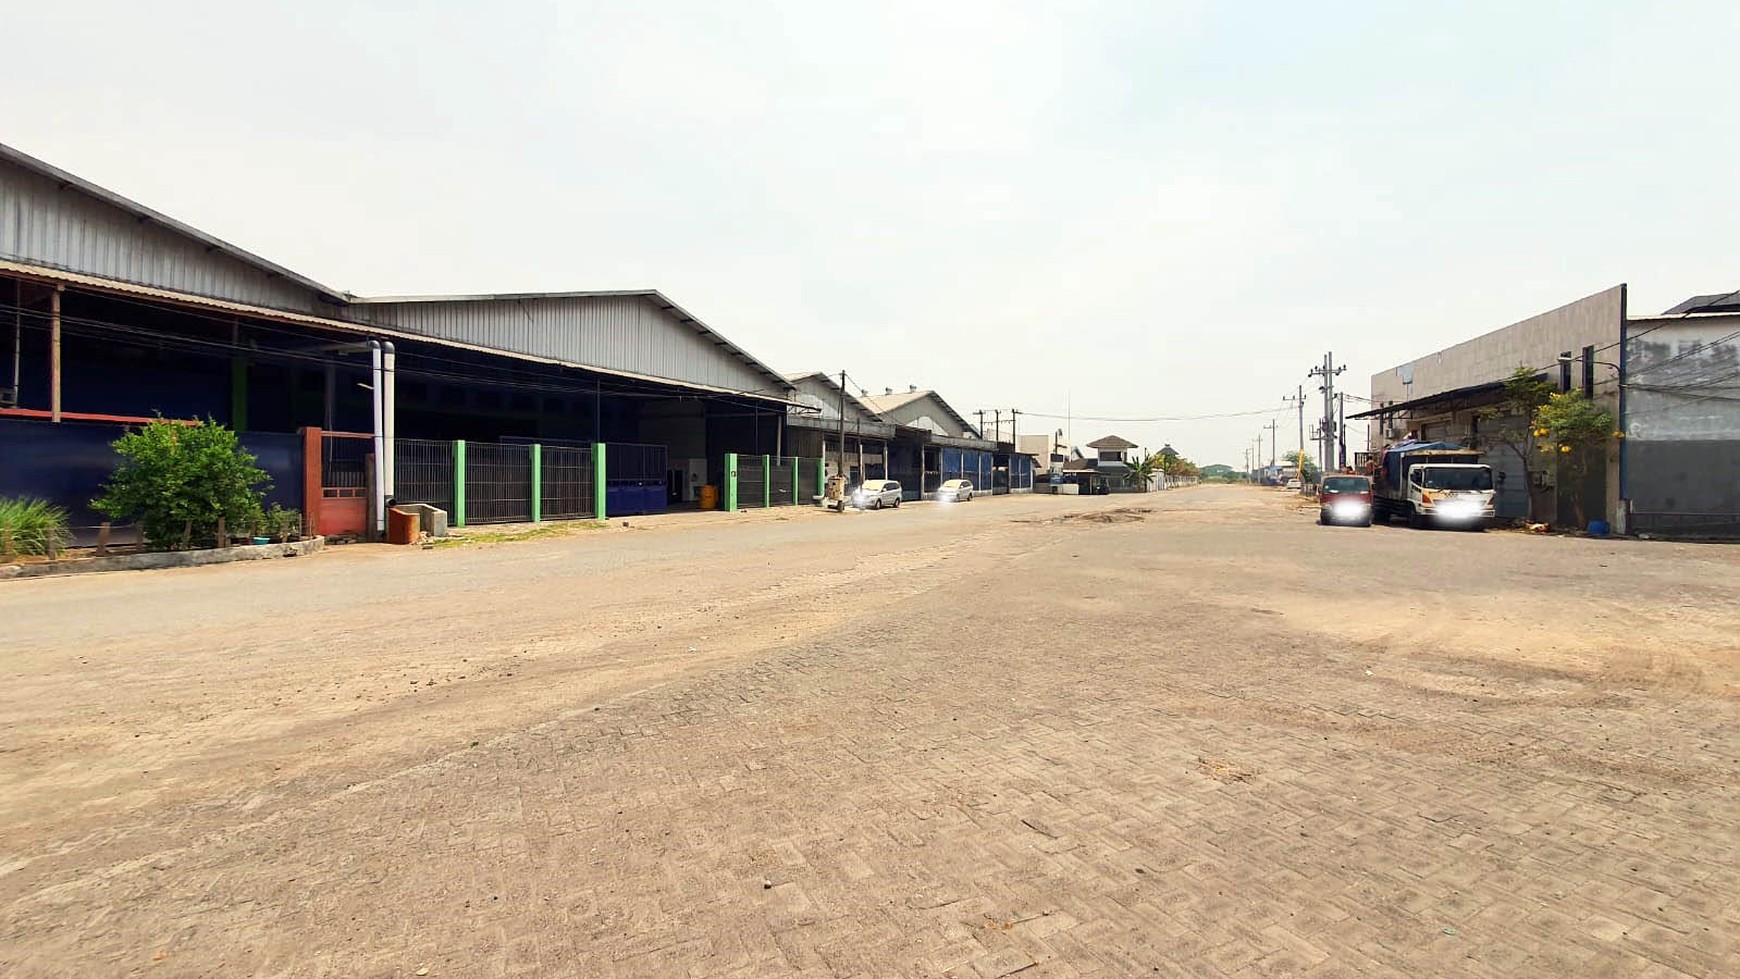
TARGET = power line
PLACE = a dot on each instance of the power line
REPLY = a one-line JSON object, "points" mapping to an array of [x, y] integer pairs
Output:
{"points": [[412, 363], [1157, 418]]}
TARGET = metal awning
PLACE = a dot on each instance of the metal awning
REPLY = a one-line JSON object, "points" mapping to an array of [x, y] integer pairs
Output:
{"points": [[1457, 399]]}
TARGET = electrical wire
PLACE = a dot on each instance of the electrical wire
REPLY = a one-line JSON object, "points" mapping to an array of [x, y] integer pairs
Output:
{"points": [[411, 363], [266, 326], [1700, 348], [1157, 418]]}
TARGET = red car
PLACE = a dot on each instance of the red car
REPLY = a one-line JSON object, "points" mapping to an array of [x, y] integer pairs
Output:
{"points": [[1345, 499]]}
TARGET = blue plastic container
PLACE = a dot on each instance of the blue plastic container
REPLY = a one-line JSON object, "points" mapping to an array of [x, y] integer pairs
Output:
{"points": [[1598, 528]]}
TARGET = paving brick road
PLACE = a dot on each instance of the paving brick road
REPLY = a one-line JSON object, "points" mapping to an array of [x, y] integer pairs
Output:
{"points": [[1058, 738]]}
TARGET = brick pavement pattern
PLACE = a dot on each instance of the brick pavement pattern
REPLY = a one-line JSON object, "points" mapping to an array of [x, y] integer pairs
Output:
{"points": [[1181, 785]]}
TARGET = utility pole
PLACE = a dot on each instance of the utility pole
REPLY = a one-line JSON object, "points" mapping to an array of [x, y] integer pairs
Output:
{"points": [[1341, 428], [1273, 441], [981, 414], [842, 431], [997, 421], [1327, 372], [1299, 401]]}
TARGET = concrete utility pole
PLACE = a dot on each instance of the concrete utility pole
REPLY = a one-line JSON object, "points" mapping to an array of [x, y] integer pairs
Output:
{"points": [[1327, 372], [1273, 442], [842, 471], [1299, 400], [981, 414], [1341, 429]]}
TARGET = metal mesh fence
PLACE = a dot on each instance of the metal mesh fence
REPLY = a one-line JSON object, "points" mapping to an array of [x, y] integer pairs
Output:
{"points": [[498, 483], [568, 484], [1686, 524], [344, 462], [423, 472], [809, 482], [751, 482], [781, 477]]}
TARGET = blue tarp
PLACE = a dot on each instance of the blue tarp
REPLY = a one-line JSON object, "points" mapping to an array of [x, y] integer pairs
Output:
{"points": [[1393, 456]]}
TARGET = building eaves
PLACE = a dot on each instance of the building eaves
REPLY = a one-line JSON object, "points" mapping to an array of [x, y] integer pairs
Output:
{"points": [[1472, 396], [146, 214], [833, 385], [364, 328]]}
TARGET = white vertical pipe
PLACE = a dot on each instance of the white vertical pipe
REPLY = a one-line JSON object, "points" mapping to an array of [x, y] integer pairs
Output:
{"points": [[380, 494], [390, 414]]}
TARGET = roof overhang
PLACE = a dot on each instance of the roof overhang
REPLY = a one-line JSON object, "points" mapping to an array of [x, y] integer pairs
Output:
{"points": [[879, 430], [98, 284], [1457, 399]]}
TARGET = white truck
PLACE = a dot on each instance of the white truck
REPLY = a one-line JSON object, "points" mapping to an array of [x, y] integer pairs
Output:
{"points": [[1433, 484]]}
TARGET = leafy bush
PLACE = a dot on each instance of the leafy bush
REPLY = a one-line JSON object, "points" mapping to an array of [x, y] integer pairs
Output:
{"points": [[280, 524], [32, 526], [178, 481]]}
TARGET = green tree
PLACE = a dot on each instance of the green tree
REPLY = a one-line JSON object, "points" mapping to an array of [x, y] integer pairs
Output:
{"points": [[1292, 458], [1575, 430], [1512, 420], [1140, 472], [178, 481]]}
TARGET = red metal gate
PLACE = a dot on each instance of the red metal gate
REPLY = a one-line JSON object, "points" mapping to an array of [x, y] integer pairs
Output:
{"points": [[336, 481]]}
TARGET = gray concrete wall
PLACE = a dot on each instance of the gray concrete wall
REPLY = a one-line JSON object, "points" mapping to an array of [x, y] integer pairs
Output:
{"points": [[1682, 425], [1537, 341]]}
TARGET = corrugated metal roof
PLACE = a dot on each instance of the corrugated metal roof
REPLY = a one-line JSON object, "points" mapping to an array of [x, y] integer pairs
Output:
{"points": [[653, 297], [884, 404], [98, 284], [834, 386], [143, 213]]}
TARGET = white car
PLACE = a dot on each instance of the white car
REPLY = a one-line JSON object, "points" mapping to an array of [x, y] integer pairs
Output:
{"points": [[1294, 484], [955, 491], [874, 494]]}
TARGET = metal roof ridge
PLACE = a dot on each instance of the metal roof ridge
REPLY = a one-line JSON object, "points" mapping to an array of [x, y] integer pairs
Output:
{"points": [[113, 199]]}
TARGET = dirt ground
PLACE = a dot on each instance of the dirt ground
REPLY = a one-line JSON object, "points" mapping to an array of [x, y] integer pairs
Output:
{"points": [[1186, 734]]}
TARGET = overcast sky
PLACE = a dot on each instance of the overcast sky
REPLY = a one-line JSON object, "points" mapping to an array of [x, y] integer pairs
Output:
{"points": [[1132, 208]]}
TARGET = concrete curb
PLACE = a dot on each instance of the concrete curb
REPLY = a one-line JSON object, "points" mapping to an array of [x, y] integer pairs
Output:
{"points": [[164, 559]]}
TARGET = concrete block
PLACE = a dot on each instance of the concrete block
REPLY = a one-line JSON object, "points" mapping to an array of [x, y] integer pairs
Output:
{"points": [[433, 519]]}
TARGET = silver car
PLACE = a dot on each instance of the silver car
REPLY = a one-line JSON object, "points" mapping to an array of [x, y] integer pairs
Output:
{"points": [[874, 494], [955, 491]]}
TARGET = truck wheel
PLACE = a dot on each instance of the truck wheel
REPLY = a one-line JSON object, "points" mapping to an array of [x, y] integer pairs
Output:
{"points": [[1416, 519]]}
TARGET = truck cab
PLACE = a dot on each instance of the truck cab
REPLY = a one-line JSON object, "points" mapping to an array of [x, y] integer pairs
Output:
{"points": [[1453, 494], [1432, 483]]}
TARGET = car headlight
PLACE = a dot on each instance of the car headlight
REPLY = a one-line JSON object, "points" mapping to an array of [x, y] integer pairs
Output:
{"points": [[1349, 507]]}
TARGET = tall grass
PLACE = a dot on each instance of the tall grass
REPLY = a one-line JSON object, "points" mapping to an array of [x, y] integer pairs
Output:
{"points": [[31, 526]]}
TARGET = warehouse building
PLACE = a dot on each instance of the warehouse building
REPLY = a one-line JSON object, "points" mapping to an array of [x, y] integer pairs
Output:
{"points": [[933, 444], [861, 447], [1672, 380], [119, 313]]}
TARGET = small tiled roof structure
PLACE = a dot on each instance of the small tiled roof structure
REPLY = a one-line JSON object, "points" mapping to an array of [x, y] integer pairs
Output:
{"points": [[1112, 443]]}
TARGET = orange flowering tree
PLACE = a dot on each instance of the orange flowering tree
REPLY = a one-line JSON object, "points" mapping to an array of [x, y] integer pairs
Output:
{"points": [[1572, 427]]}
